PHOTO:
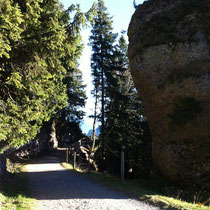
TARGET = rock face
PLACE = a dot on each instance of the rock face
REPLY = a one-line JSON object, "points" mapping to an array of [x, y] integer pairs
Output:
{"points": [[44, 142], [169, 53]]}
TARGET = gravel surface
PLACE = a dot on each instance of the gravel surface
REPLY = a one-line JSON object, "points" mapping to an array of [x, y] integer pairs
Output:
{"points": [[57, 188]]}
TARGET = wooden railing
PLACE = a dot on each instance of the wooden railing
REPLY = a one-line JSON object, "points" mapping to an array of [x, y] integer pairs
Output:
{"points": [[79, 153]]}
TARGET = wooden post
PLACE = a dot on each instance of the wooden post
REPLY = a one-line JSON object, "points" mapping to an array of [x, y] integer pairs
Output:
{"points": [[3, 167], [74, 164], [88, 162], [67, 155], [122, 167]]}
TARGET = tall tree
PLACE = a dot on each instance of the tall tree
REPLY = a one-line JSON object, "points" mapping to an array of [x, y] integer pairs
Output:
{"points": [[101, 41], [126, 127], [70, 116], [76, 97], [40, 43]]}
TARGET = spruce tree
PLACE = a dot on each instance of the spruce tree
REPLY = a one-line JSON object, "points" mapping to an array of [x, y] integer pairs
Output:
{"points": [[40, 43], [126, 126], [71, 116], [76, 95], [101, 41]]}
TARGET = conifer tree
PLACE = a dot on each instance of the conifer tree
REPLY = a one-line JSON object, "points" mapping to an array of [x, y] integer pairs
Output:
{"points": [[101, 40], [70, 116], [40, 43], [126, 126], [76, 95]]}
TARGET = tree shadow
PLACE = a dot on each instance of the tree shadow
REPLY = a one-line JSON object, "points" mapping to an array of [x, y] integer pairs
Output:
{"points": [[54, 156], [66, 184]]}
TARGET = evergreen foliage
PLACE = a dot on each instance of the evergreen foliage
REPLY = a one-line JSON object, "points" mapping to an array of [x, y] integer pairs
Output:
{"points": [[101, 40], [68, 119], [39, 46], [76, 95], [126, 126], [123, 125]]}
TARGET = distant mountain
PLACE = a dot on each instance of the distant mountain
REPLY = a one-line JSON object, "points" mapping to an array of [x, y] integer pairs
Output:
{"points": [[91, 131]]}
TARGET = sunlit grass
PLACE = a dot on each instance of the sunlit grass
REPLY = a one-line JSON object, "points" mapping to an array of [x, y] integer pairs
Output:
{"points": [[16, 202], [143, 191], [15, 195], [175, 203], [70, 167]]}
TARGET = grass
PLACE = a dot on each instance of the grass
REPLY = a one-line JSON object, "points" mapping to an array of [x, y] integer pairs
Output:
{"points": [[145, 189], [14, 195]]}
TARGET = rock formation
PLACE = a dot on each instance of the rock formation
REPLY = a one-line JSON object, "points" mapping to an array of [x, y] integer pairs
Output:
{"points": [[169, 53], [42, 143]]}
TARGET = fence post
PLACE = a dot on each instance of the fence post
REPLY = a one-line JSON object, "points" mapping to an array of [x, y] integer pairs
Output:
{"points": [[74, 164], [3, 167], [122, 167], [67, 155], [88, 162]]}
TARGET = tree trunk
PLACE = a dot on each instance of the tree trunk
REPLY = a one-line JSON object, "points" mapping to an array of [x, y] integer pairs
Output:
{"points": [[94, 122], [53, 139], [102, 120], [3, 168]]}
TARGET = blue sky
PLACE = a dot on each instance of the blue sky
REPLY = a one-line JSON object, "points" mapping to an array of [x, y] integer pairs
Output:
{"points": [[121, 11]]}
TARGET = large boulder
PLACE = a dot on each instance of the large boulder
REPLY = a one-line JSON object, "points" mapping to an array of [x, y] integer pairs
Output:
{"points": [[169, 46], [44, 142]]}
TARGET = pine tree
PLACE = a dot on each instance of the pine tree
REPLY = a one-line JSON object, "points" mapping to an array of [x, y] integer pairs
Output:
{"points": [[101, 41], [40, 43], [72, 114], [76, 96], [126, 127]]}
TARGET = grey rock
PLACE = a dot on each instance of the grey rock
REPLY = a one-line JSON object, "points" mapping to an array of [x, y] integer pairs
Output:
{"points": [[169, 53]]}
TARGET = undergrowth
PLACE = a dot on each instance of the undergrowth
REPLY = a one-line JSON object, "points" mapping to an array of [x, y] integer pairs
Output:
{"points": [[14, 194]]}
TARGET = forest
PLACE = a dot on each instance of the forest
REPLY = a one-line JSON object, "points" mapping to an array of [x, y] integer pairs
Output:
{"points": [[41, 82], [43, 95]]}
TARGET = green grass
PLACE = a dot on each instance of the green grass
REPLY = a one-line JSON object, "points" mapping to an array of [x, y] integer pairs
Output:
{"points": [[146, 190], [14, 195]]}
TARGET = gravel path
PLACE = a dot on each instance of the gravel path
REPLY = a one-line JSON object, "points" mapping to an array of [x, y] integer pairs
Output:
{"points": [[57, 188]]}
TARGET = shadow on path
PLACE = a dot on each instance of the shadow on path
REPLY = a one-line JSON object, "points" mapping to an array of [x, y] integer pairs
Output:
{"points": [[55, 156], [49, 180]]}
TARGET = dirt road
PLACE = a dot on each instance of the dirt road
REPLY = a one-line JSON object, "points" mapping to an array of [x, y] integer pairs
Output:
{"points": [[57, 188]]}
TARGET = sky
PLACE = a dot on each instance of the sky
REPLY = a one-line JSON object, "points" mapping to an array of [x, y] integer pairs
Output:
{"points": [[121, 11]]}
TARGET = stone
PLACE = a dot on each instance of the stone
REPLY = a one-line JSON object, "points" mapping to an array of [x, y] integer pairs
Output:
{"points": [[169, 54], [41, 144]]}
